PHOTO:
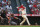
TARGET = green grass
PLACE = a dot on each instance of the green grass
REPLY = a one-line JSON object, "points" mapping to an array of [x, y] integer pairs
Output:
{"points": [[19, 26]]}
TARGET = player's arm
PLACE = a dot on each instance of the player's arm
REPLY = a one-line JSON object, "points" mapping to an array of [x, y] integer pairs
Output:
{"points": [[1, 17], [17, 18]]}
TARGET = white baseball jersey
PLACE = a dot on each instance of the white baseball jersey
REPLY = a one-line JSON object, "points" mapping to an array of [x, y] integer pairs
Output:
{"points": [[24, 13]]}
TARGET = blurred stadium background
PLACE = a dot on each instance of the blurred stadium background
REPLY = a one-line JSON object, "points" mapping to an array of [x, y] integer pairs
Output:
{"points": [[32, 10]]}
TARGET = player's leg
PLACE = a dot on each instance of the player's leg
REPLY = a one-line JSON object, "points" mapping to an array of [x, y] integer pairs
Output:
{"points": [[13, 23], [27, 20], [23, 21]]}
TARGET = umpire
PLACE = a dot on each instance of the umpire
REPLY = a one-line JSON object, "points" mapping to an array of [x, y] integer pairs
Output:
{"points": [[3, 15]]}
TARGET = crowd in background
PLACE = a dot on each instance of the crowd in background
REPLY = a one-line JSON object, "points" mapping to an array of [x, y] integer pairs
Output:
{"points": [[6, 10], [34, 5]]}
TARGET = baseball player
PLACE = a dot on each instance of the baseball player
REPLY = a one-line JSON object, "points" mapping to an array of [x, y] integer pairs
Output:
{"points": [[23, 10]]}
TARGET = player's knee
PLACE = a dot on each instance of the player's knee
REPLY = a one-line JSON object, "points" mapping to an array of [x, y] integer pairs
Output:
{"points": [[24, 19]]}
